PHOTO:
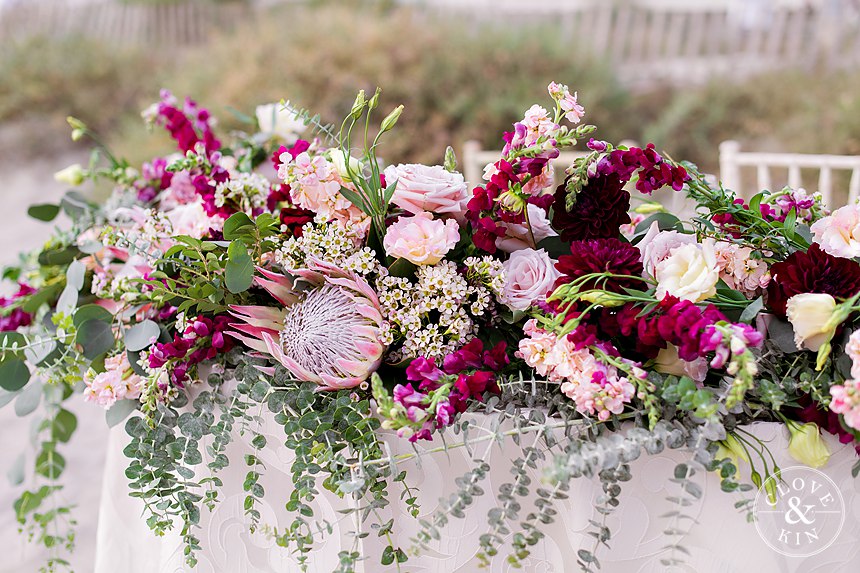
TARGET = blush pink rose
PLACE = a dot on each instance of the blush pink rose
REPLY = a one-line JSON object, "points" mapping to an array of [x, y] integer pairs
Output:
{"points": [[420, 239], [428, 188], [839, 233], [529, 276]]}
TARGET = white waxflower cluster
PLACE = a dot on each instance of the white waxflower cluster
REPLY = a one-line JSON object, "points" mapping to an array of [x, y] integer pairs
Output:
{"points": [[433, 316], [247, 190], [330, 242], [488, 272]]}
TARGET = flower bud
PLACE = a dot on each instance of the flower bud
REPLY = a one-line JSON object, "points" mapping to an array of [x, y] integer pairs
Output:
{"points": [[512, 201], [391, 119], [358, 105], [450, 160], [649, 208], [374, 101], [72, 175]]}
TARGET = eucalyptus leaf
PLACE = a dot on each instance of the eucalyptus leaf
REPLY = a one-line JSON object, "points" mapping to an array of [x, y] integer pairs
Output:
{"points": [[239, 269], [140, 336], [63, 426], [75, 275], [751, 312], [68, 300], [92, 312], [238, 225], [29, 398], [14, 374], [121, 410], [96, 337], [15, 473]]}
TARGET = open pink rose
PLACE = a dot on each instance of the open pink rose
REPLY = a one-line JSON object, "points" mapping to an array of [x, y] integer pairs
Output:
{"points": [[420, 239], [428, 188], [657, 245], [529, 276]]}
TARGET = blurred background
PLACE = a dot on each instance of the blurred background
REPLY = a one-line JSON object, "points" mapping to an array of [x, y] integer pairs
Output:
{"points": [[775, 75]]}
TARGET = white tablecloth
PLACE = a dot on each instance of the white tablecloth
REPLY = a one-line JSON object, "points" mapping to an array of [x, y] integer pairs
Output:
{"points": [[722, 541]]}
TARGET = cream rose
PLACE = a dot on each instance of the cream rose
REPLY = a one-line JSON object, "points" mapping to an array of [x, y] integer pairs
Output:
{"points": [[839, 233], [529, 276], [276, 119], [811, 315], [420, 239], [428, 188], [689, 273], [657, 245]]}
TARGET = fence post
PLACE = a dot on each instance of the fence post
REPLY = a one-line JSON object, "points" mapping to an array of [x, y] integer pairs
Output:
{"points": [[730, 171], [471, 169]]}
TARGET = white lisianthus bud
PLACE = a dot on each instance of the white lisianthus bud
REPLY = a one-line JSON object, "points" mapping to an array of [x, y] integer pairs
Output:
{"points": [[391, 119], [339, 159], [72, 175], [806, 446], [812, 317]]}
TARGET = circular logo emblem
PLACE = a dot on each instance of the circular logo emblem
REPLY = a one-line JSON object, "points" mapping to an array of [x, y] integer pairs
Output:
{"points": [[800, 513]]}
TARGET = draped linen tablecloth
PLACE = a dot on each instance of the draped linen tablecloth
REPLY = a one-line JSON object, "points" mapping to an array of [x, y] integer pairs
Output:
{"points": [[721, 542]]}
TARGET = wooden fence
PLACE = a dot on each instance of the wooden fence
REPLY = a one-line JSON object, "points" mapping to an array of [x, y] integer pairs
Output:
{"points": [[645, 41], [155, 26]]}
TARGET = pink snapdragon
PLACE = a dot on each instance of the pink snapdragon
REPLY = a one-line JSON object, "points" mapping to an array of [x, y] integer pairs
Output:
{"points": [[117, 382]]}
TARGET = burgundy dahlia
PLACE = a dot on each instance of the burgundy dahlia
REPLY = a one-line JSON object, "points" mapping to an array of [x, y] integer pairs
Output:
{"points": [[812, 271], [600, 256], [600, 209]]}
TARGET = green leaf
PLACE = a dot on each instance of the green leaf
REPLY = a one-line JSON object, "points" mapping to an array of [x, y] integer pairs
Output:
{"points": [[665, 221], [75, 204], [554, 247], [140, 336], [14, 374], [121, 410], [356, 200], [58, 257], [96, 337], [92, 312], [751, 312], [41, 350], [401, 268], [44, 211], [789, 226], [267, 224], [63, 426], [28, 400], [45, 294], [239, 269], [49, 463], [389, 191], [75, 275], [238, 225], [755, 203]]}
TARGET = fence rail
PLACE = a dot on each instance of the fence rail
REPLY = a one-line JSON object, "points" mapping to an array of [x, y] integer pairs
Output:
{"points": [[646, 41], [152, 25]]}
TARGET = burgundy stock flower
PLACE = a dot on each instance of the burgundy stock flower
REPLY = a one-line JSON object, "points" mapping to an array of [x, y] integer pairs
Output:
{"points": [[600, 209]]}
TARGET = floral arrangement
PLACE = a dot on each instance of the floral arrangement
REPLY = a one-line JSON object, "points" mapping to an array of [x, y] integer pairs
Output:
{"points": [[359, 302]]}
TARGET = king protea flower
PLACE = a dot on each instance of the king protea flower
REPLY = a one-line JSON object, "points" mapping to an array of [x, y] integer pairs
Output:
{"points": [[328, 333]]}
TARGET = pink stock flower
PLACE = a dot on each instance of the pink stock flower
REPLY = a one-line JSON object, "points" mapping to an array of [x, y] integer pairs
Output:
{"points": [[853, 351], [420, 239], [561, 93], [739, 270], [839, 233], [604, 394], [538, 123], [117, 382], [846, 401], [428, 188], [328, 333]]}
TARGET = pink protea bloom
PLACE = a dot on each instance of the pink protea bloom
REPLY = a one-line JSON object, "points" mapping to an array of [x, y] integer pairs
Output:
{"points": [[328, 333]]}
